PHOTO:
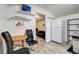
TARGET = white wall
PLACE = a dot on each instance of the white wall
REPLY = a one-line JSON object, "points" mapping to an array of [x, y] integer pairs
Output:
{"points": [[7, 11], [9, 25]]}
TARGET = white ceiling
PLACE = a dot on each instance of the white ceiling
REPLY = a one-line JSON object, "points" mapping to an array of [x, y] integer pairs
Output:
{"points": [[59, 10]]}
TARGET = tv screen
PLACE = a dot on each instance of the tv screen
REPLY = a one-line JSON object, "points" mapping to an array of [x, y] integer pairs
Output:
{"points": [[26, 8]]}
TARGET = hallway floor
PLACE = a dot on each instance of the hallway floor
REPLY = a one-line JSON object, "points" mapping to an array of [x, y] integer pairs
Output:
{"points": [[50, 48]]}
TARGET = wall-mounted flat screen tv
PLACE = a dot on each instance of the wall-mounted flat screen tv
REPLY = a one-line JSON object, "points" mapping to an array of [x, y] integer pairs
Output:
{"points": [[26, 8]]}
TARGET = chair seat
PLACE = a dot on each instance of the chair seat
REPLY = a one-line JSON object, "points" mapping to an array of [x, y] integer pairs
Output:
{"points": [[31, 43], [21, 51]]}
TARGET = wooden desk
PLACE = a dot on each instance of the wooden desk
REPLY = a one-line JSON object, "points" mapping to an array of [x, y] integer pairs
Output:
{"points": [[20, 38]]}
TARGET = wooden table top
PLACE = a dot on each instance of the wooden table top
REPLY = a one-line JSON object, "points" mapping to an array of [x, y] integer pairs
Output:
{"points": [[19, 37]]}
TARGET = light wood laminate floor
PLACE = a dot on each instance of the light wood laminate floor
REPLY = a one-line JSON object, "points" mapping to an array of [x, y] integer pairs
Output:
{"points": [[49, 48]]}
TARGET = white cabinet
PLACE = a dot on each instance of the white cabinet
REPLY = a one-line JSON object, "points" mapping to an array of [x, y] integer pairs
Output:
{"points": [[57, 23], [58, 32], [57, 35]]}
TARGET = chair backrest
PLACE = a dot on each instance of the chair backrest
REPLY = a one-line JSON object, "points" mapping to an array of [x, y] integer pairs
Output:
{"points": [[29, 33], [8, 40]]}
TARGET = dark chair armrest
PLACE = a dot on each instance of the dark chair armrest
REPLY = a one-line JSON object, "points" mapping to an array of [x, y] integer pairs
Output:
{"points": [[22, 51]]}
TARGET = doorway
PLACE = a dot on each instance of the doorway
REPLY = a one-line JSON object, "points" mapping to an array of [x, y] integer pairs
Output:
{"points": [[40, 26]]}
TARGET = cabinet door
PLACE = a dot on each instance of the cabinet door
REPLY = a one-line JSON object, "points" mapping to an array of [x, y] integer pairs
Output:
{"points": [[57, 35], [54, 34], [56, 23]]}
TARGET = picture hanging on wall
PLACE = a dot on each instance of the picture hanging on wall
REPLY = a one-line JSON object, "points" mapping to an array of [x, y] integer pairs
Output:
{"points": [[26, 8], [20, 24]]}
